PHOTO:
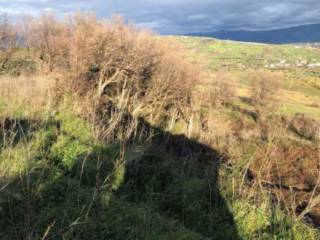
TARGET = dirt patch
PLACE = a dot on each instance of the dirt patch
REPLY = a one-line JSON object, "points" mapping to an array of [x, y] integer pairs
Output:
{"points": [[292, 173]]}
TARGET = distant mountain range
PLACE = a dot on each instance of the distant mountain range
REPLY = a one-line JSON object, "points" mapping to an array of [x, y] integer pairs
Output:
{"points": [[299, 34]]}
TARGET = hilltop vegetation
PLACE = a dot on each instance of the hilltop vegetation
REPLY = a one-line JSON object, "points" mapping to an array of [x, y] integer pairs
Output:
{"points": [[108, 132]]}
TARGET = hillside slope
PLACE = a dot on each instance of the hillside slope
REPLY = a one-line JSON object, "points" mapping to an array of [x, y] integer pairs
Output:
{"points": [[296, 67], [276, 136], [107, 132]]}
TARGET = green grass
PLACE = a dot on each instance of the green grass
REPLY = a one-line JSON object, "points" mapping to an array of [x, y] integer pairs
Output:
{"points": [[242, 60], [249, 55], [291, 109], [50, 174], [53, 171], [59, 181]]}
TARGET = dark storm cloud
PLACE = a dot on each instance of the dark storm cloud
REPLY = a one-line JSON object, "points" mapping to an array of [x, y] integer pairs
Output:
{"points": [[207, 15], [183, 16]]}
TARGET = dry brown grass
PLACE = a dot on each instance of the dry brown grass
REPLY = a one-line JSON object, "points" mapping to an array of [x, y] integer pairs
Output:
{"points": [[25, 94]]}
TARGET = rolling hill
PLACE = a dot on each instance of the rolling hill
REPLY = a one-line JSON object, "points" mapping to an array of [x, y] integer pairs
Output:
{"points": [[299, 34]]}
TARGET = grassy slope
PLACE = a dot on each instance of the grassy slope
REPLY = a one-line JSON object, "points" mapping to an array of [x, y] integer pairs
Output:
{"points": [[300, 87], [299, 90], [50, 169]]}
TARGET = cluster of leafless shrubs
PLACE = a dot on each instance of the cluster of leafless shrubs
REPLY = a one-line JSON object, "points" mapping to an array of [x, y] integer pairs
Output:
{"points": [[113, 64]]}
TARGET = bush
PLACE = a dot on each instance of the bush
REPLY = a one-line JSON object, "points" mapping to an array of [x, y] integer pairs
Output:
{"points": [[305, 127], [220, 89], [114, 67], [8, 41], [128, 68], [50, 38], [264, 87]]}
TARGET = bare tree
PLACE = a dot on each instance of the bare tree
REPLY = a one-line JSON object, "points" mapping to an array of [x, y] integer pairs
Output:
{"points": [[25, 30], [51, 38], [221, 89], [264, 87], [8, 40]]}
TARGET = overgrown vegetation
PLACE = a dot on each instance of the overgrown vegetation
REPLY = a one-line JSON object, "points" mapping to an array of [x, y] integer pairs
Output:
{"points": [[108, 132]]}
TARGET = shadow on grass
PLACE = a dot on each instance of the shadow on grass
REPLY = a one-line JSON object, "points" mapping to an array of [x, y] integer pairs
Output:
{"points": [[251, 114], [166, 188], [16, 129], [246, 100]]}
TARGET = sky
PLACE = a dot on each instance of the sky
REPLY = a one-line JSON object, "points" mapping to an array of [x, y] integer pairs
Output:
{"points": [[183, 16]]}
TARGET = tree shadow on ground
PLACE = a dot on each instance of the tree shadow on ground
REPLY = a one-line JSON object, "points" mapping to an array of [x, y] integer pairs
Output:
{"points": [[16, 129], [178, 176], [166, 188]]}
